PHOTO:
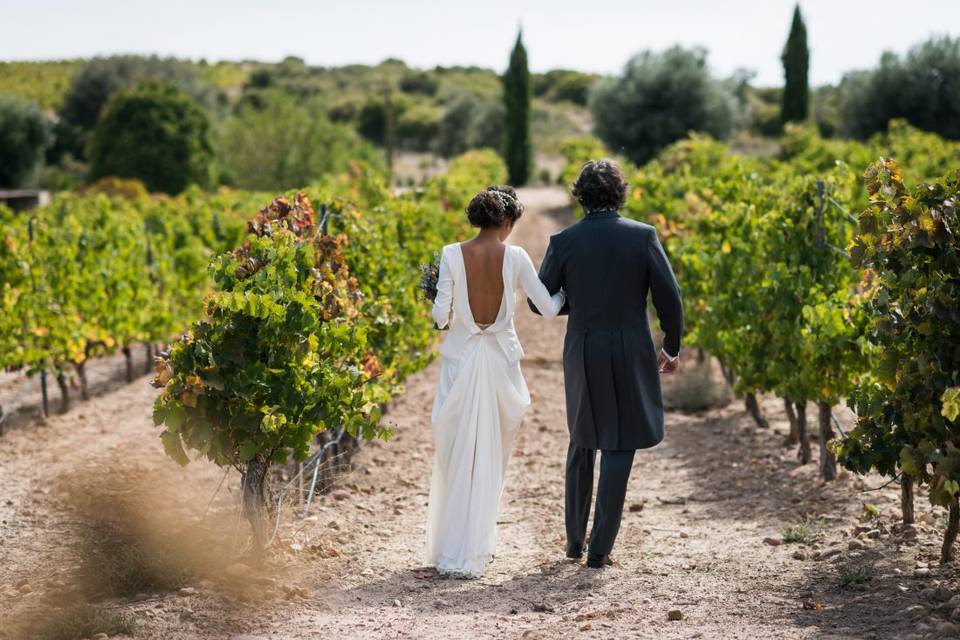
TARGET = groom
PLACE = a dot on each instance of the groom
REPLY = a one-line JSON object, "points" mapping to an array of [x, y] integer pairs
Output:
{"points": [[607, 264]]}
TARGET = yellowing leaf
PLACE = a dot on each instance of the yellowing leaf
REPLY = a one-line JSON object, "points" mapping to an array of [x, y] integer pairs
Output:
{"points": [[951, 403]]}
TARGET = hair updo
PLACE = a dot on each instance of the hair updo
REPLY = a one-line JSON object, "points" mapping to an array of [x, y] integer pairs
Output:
{"points": [[494, 206]]}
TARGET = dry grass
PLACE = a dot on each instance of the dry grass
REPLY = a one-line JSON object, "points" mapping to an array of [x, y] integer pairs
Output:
{"points": [[852, 575], [803, 532], [131, 538], [76, 623], [697, 387]]}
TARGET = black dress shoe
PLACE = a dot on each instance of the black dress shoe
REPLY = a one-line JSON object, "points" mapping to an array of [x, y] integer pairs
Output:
{"points": [[598, 560], [574, 551]]}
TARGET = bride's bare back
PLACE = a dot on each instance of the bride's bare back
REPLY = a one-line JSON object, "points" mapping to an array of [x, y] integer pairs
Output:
{"points": [[483, 261]]}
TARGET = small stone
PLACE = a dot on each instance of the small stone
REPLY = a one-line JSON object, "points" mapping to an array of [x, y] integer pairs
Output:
{"points": [[636, 507], [684, 535], [440, 602], [826, 554], [917, 610], [799, 555], [187, 591], [873, 534], [861, 528], [855, 544], [955, 616], [674, 615], [922, 572], [186, 614], [340, 495], [947, 629], [100, 636], [396, 603], [773, 542]]}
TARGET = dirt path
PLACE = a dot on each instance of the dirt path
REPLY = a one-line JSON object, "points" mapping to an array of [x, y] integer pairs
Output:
{"points": [[700, 506]]}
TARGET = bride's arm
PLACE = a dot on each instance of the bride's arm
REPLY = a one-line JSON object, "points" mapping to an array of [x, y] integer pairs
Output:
{"points": [[444, 301], [546, 304]]}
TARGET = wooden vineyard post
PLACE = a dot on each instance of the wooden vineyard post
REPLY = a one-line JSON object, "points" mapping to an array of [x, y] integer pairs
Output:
{"points": [[804, 452], [753, 408], [906, 498], [148, 366], [794, 436], [828, 462], [950, 535], [44, 398], [64, 392]]}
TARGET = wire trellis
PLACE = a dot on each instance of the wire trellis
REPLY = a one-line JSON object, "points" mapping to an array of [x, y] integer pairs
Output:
{"points": [[329, 453]]}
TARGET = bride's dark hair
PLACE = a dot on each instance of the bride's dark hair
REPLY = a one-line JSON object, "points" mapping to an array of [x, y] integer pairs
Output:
{"points": [[493, 206]]}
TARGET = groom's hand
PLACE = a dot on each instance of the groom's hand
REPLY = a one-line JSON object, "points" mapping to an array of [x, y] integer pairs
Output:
{"points": [[666, 364]]}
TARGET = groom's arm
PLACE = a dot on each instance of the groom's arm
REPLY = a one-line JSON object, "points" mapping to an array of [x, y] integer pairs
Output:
{"points": [[666, 296], [551, 275]]}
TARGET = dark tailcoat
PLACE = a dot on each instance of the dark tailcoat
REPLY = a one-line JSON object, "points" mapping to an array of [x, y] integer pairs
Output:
{"points": [[607, 264]]}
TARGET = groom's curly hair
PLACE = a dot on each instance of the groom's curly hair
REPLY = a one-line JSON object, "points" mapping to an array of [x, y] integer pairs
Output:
{"points": [[600, 185]]}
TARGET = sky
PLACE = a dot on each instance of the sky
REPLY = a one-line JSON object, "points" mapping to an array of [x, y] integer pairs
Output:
{"points": [[589, 35]]}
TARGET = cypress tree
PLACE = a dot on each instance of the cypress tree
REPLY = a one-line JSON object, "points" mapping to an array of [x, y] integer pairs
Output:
{"points": [[517, 150], [796, 63]]}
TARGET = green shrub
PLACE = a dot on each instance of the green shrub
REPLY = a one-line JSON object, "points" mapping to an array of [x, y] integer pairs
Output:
{"points": [[469, 122], [25, 135], [659, 99], [93, 86], [923, 87], [282, 143], [419, 126], [154, 133]]}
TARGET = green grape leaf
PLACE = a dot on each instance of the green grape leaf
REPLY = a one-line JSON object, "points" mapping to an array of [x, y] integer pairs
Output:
{"points": [[950, 404]]}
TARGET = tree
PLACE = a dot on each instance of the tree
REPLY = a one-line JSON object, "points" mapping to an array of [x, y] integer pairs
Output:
{"points": [[796, 63], [25, 135], [923, 87], [469, 122], [91, 88], [658, 100], [154, 133], [517, 149]]}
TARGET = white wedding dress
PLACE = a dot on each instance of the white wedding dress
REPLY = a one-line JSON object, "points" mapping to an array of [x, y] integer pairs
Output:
{"points": [[481, 399]]}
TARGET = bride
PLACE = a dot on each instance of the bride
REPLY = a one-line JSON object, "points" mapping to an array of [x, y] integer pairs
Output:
{"points": [[482, 396]]}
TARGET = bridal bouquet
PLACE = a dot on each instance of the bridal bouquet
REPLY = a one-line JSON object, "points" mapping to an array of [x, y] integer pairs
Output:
{"points": [[429, 275]]}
